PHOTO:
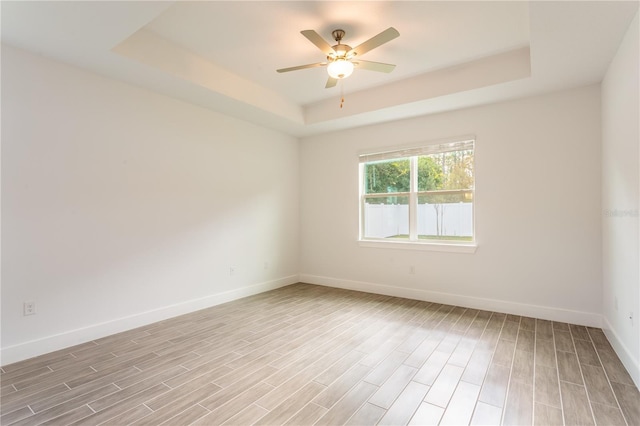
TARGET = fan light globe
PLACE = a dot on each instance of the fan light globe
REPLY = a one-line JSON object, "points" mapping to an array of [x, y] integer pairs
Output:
{"points": [[340, 68]]}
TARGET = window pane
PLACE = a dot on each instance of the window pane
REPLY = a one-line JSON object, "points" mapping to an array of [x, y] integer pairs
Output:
{"points": [[387, 176], [446, 216], [386, 217], [446, 170], [444, 189]]}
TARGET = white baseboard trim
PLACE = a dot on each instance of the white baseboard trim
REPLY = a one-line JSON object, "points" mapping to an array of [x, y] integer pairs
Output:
{"points": [[631, 364], [69, 338], [543, 312]]}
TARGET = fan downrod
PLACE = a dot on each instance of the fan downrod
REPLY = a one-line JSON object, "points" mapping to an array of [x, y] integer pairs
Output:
{"points": [[337, 35]]}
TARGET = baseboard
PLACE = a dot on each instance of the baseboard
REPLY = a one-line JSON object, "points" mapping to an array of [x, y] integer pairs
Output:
{"points": [[52, 343], [543, 312], [631, 364]]}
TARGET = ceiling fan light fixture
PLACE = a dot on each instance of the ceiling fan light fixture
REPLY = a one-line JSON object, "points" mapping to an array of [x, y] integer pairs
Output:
{"points": [[339, 56], [340, 68]]}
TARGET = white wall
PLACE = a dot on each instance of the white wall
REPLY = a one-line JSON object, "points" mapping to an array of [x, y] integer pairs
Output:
{"points": [[538, 210], [621, 201], [121, 206]]}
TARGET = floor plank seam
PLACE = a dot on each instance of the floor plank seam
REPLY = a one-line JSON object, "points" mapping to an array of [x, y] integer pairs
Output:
{"points": [[609, 381], [200, 405], [584, 382], [533, 395], [555, 357]]}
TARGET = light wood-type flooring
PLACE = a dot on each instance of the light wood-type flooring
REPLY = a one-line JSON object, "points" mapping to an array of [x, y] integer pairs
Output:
{"points": [[304, 354]]}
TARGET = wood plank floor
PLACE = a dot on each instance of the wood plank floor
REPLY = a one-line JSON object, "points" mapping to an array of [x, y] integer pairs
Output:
{"points": [[306, 354]]}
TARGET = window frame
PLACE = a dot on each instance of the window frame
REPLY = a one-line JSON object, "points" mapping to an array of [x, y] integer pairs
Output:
{"points": [[412, 242]]}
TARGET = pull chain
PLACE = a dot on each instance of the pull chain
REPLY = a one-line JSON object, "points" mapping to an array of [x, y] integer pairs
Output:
{"points": [[341, 94]]}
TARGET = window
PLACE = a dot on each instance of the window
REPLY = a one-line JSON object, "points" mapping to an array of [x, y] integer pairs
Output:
{"points": [[421, 195]]}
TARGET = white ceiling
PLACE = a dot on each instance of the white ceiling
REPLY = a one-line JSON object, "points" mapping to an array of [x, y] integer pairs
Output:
{"points": [[266, 36], [223, 54]]}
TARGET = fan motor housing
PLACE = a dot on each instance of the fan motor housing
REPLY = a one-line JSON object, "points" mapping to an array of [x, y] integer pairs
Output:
{"points": [[342, 51]]}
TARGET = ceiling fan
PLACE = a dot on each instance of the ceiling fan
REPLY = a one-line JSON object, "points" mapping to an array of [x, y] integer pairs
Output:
{"points": [[342, 58]]}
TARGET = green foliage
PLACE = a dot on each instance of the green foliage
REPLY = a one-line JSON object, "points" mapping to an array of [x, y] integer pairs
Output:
{"points": [[445, 171], [459, 166], [430, 174], [387, 176]]}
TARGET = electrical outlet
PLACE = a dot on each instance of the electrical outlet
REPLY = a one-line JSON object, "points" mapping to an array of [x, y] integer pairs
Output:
{"points": [[232, 270], [29, 308]]}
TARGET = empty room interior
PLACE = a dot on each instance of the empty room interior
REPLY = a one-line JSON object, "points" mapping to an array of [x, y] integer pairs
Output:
{"points": [[313, 212]]}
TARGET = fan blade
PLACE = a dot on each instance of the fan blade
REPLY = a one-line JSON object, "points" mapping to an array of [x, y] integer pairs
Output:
{"points": [[375, 41], [331, 82], [302, 67], [374, 66], [315, 38]]}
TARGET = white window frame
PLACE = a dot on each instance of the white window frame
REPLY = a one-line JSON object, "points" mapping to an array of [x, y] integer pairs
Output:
{"points": [[413, 152]]}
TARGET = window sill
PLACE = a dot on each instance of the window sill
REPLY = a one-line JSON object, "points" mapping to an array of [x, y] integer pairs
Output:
{"points": [[452, 247]]}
